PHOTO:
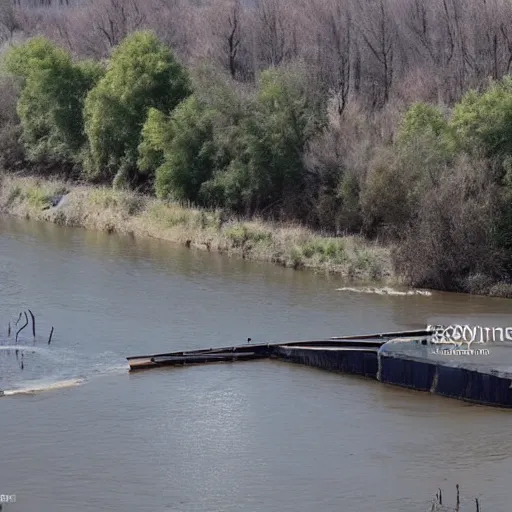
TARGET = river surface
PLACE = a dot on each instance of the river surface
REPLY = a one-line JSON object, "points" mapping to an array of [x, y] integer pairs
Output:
{"points": [[254, 437]]}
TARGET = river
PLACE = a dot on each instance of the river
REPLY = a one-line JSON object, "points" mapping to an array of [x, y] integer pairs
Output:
{"points": [[258, 436]]}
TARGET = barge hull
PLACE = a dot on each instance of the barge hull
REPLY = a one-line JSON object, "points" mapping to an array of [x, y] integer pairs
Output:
{"points": [[409, 362]]}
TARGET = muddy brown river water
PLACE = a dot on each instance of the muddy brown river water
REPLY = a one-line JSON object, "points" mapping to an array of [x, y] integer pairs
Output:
{"points": [[254, 437]]}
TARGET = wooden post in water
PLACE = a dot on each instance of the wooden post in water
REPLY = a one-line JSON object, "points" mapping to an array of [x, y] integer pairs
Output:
{"points": [[458, 498], [9, 330], [33, 324], [51, 334], [23, 327]]}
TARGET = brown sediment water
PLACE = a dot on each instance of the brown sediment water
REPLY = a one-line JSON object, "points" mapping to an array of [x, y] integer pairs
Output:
{"points": [[255, 436]]}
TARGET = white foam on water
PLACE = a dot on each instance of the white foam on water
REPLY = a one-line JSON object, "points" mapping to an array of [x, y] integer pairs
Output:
{"points": [[21, 347], [384, 291], [68, 368], [42, 385]]}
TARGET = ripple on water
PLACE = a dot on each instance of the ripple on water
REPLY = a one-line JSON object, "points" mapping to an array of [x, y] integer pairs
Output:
{"points": [[46, 368]]}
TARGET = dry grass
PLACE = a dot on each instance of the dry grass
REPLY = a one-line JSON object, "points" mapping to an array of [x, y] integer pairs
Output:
{"points": [[124, 212]]}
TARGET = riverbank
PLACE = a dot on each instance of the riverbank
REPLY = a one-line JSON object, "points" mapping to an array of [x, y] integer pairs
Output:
{"points": [[126, 212]]}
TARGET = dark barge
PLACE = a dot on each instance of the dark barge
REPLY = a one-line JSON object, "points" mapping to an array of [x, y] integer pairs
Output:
{"points": [[261, 350], [407, 359]]}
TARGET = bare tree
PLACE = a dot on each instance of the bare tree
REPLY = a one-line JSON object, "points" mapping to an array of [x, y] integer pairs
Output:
{"points": [[9, 22], [439, 31], [272, 32], [378, 31], [108, 22], [233, 39], [226, 23], [175, 22], [335, 50], [491, 38], [506, 33], [367, 50]]}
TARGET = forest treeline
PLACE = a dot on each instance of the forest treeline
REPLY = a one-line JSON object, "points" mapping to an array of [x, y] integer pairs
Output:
{"points": [[388, 118]]}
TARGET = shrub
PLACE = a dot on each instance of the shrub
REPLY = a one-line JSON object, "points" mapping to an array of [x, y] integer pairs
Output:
{"points": [[399, 176], [420, 120], [452, 238], [241, 234], [386, 200]]}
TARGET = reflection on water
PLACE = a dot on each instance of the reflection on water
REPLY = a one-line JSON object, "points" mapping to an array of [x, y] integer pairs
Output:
{"points": [[255, 436]]}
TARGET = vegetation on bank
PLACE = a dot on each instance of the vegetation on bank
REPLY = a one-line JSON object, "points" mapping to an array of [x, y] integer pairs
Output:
{"points": [[128, 212], [435, 184]]}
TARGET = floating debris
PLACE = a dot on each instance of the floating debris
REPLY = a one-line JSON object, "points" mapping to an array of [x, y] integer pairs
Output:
{"points": [[384, 291]]}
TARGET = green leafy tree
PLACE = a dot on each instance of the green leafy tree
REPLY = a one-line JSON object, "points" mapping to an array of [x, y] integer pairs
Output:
{"points": [[285, 119], [143, 73], [482, 123], [155, 137], [268, 167], [51, 102], [401, 175], [181, 148], [197, 142], [245, 153], [420, 120], [484, 120]]}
